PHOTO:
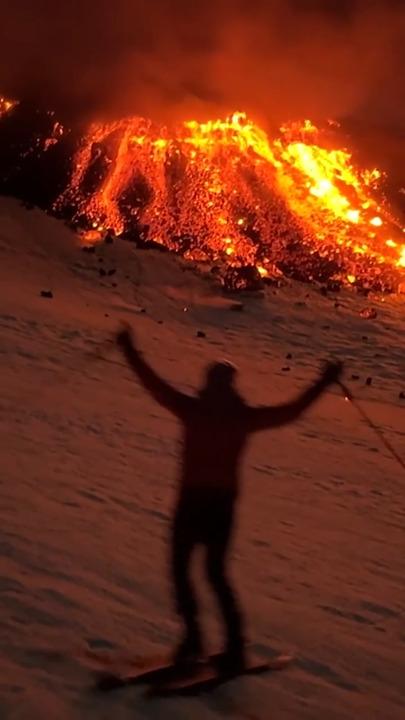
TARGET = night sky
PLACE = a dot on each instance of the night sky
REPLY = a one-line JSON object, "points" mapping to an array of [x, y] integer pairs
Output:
{"points": [[172, 58]]}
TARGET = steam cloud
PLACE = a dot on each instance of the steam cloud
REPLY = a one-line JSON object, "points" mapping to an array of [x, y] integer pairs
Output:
{"points": [[277, 59]]}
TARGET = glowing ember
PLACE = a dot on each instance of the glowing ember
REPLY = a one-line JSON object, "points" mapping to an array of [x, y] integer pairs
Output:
{"points": [[89, 237], [56, 134], [6, 105]]}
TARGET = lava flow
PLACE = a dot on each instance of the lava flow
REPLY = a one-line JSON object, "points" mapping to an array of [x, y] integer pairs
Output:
{"points": [[224, 191]]}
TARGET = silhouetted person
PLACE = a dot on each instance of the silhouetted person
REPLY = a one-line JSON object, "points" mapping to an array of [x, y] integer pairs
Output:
{"points": [[216, 426]]}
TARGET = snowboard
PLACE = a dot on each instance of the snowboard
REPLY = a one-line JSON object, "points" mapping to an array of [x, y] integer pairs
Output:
{"points": [[158, 671], [208, 675], [150, 670]]}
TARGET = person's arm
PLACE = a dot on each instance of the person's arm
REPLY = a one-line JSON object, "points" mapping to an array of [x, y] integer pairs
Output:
{"points": [[166, 395], [260, 418]]}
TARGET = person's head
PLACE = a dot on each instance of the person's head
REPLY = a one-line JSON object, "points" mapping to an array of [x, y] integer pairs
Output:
{"points": [[220, 378]]}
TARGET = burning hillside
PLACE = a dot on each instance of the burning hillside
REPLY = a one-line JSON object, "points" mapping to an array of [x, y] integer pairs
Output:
{"points": [[226, 192]]}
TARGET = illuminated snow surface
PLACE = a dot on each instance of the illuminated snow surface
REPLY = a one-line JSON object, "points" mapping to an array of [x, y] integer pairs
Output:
{"points": [[89, 467]]}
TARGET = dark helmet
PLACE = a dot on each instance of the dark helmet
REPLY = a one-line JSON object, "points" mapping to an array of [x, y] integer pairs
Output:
{"points": [[220, 374]]}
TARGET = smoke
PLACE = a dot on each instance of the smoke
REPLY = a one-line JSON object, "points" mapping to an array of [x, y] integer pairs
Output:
{"points": [[277, 59]]}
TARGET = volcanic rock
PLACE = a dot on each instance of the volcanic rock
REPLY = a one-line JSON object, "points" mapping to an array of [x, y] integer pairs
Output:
{"points": [[368, 313], [46, 293], [246, 278], [153, 245], [201, 334], [369, 380]]}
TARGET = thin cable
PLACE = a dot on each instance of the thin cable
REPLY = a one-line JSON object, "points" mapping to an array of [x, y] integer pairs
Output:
{"points": [[349, 396]]}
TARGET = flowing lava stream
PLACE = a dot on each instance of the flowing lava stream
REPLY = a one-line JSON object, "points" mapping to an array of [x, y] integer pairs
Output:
{"points": [[224, 191], [234, 194]]}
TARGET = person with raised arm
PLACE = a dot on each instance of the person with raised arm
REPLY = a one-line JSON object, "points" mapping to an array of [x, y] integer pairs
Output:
{"points": [[216, 425]]}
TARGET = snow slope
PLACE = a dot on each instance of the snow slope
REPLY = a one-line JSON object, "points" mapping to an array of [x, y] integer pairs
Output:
{"points": [[89, 468]]}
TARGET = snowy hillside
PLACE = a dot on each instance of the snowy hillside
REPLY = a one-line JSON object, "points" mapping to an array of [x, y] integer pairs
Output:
{"points": [[88, 478]]}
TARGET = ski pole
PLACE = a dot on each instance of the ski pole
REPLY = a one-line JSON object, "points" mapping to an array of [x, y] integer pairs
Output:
{"points": [[349, 396]]}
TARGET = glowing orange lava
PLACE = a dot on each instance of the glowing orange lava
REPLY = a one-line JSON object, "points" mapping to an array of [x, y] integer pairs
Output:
{"points": [[237, 194]]}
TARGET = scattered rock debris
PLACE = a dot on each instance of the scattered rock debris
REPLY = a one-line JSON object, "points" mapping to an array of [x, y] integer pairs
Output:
{"points": [[201, 334], [46, 293]]}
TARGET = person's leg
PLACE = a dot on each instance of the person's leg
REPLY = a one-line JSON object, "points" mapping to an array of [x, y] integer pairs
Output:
{"points": [[182, 547], [217, 547]]}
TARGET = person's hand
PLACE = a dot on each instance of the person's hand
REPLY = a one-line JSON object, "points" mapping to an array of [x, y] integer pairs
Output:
{"points": [[124, 336], [332, 372]]}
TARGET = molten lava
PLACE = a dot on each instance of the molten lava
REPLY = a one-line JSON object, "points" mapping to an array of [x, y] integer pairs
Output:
{"points": [[225, 191]]}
